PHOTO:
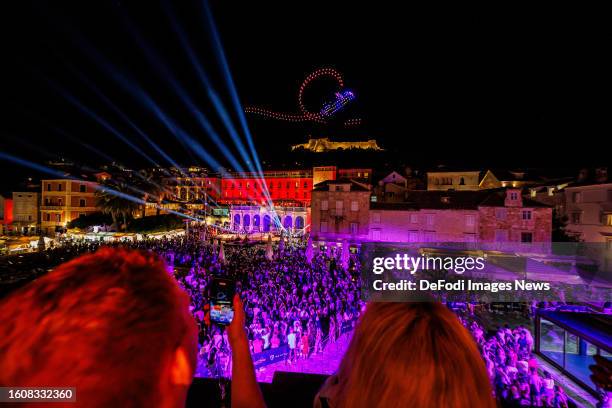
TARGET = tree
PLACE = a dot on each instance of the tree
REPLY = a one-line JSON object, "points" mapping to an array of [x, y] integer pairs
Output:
{"points": [[150, 186], [559, 232], [112, 198]]}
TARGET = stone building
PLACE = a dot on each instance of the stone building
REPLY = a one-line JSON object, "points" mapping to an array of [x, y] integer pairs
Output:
{"points": [[258, 218], [25, 212], [589, 212], [340, 211], [506, 216]]}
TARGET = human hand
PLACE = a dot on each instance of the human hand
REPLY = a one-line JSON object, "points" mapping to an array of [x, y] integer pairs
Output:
{"points": [[235, 331]]}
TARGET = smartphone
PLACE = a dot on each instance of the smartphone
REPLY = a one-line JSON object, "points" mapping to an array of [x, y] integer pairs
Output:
{"points": [[222, 292]]}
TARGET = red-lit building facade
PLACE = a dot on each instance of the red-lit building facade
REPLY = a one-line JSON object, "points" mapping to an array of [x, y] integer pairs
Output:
{"points": [[293, 186]]}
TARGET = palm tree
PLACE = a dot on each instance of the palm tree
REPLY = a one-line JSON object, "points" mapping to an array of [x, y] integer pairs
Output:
{"points": [[111, 199], [150, 187]]}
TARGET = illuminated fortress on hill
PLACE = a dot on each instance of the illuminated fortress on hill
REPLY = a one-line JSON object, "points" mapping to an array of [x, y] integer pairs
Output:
{"points": [[324, 145]]}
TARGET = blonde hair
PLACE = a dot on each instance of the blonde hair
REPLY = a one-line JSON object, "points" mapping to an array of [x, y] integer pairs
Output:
{"points": [[411, 354]]}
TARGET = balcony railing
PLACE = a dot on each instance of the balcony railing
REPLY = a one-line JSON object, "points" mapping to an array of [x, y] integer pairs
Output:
{"points": [[52, 207]]}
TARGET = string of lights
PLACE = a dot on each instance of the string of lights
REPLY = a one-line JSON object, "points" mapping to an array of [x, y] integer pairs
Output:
{"points": [[342, 97]]}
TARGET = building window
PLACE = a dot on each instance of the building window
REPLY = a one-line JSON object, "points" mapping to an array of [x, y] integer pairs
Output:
{"points": [[354, 205], [339, 207], [608, 220], [376, 218], [29, 218], [59, 187], [470, 220], [323, 227], [526, 215], [576, 218], [305, 184], [513, 196], [58, 217], [500, 213], [82, 202], [376, 234], [353, 228], [414, 218], [324, 205], [430, 219], [47, 217], [526, 237], [49, 187], [83, 188], [577, 197]]}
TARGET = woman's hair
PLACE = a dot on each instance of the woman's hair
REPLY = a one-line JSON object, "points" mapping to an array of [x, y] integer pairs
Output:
{"points": [[411, 355]]}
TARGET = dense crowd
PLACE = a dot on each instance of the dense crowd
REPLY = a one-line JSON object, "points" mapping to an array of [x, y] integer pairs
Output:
{"points": [[288, 300], [303, 305], [513, 369]]}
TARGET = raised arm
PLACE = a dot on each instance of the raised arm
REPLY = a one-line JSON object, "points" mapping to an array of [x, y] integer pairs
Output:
{"points": [[245, 390]]}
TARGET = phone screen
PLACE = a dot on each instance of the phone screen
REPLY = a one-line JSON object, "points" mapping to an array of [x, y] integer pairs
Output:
{"points": [[222, 293]]}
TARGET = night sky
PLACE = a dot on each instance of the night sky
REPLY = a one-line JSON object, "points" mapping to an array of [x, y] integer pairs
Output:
{"points": [[470, 87]]}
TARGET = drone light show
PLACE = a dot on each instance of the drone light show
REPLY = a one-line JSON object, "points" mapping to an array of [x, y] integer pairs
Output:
{"points": [[342, 97], [341, 100]]}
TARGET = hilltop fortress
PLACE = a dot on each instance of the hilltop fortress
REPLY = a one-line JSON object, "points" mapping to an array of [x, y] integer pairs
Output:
{"points": [[324, 145]]}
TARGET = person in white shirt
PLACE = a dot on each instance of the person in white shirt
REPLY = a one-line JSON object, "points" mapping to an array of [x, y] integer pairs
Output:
{"points": [[291, 340]]}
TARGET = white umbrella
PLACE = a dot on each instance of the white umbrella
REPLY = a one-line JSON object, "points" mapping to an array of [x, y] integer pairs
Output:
{"points": [[281, 243], [309, 251], [269, 250], [221, 257]]}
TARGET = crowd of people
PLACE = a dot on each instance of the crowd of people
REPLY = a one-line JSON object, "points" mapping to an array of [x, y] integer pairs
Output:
{"points": [[513, 369], [288, 300], [303, 304]]}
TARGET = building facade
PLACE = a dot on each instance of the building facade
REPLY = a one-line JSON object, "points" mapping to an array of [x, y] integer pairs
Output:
{"points": [[259, 218], [276, 186], [64, 200], [510, 217], [453, 180], [6, 214], [589, 212], [454, 216], [340, 211], [26, 212]]}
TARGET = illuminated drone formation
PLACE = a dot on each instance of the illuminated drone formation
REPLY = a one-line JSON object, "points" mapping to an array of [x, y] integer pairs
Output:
{"points": [[342, 97]]}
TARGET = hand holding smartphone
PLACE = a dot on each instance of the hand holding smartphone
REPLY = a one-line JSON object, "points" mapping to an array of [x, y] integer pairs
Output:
{"points": [[222, 291]]}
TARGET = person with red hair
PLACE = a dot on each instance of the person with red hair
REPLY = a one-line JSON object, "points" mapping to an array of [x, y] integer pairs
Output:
{"points": [[115, 326], [409, 355]]}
